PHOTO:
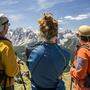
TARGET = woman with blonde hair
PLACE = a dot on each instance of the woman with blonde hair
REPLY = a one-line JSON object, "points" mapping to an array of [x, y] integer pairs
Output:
{"points": [[48, 60]]}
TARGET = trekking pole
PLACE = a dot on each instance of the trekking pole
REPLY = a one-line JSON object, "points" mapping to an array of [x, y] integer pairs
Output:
{"points": [[71, 84], [22, 81], [22, 77]]}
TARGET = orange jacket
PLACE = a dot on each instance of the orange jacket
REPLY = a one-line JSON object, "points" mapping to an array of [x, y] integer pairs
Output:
{"points": [[82, 66]]}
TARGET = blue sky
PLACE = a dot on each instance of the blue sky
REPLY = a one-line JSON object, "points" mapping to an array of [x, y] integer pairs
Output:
{"points": [[25, 13]]}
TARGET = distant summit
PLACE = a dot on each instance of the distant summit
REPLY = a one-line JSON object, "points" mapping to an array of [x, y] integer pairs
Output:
{"points": [[24, 37], [21, 36]]}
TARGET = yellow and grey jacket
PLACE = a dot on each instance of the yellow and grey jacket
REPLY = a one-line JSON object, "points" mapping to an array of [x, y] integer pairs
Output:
{"points": [[8, 61]]}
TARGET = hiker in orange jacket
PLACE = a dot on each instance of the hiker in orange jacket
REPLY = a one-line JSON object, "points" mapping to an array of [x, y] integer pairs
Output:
{"points": [[8, 64], [81, 70]]}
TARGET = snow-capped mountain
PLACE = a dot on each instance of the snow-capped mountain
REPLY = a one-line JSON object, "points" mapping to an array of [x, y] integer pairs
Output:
{"points": [[21, 36], [24, 36]]}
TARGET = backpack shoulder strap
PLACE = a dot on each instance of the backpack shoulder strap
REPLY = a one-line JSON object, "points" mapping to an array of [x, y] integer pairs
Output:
{"points": [[29, 48], [40, 54], [62, 55], [85, 46]]}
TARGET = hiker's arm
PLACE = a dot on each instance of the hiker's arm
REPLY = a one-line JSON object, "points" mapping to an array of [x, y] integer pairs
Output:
{"points": [[80, 70], [31, 60], [35, 56], [9, 60]]}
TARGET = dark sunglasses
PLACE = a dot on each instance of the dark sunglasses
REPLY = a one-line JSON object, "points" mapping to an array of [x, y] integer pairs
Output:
{"points": [[7, 22]]}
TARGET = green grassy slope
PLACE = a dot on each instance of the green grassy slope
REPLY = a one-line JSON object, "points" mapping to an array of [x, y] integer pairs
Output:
{"points": [[66, 78], [27, 83]]}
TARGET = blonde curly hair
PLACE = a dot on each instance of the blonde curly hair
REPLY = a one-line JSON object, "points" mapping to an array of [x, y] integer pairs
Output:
{"points": [[48, 26]]}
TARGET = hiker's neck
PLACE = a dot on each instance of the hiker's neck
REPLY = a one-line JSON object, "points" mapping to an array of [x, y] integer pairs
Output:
{"points": [[52, 40]]}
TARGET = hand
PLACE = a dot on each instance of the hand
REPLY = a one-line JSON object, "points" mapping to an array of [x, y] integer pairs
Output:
{"points": [[20, 62], [71, 71]]}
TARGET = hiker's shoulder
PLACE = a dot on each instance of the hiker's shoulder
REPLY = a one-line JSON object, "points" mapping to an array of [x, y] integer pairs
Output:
{"points": [[84, 49], [5, 45], [83, 52], [39, 48], [6, 41], [65, 50], [2, 46]]}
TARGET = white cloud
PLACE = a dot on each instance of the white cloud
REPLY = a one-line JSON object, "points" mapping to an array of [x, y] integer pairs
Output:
{"points": [[31, 8], [7, 11], [9, 2], [60, 21], [16, 18], [68, 35], [44, 4], [78, 17]]}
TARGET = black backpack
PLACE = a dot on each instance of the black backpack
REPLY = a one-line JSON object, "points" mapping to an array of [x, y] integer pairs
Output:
{"points": [[30, 48]]}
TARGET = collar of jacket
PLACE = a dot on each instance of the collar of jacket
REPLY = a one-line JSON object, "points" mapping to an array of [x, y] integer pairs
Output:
{"points": [[4, 38]]}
